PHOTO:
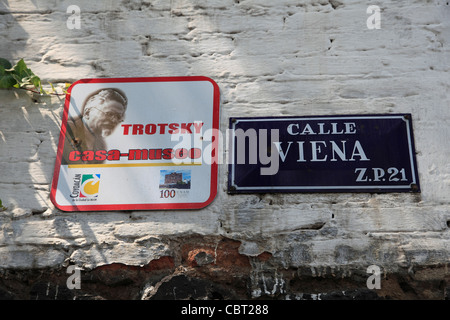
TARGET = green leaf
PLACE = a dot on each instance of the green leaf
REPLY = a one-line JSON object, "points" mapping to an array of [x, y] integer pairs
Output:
{"points": [[23, 73], [7, 81], [5, 63], [18, 75], [36, 81], [20, 67], [2, 208], [16, 78]]}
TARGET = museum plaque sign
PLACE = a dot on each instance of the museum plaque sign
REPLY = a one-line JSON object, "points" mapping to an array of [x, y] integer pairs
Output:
{"points": [[137, 144]]}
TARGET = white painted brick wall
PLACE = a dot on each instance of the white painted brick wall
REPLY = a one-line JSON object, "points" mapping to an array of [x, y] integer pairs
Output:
{"points": [[269, 58]]}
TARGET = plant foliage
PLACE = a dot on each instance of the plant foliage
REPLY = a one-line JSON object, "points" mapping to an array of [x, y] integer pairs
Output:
{"points": [[18, 76], [2, 208]]}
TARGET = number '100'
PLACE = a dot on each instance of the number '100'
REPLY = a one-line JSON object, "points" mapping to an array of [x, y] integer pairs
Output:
{"points": [[167, 193]]}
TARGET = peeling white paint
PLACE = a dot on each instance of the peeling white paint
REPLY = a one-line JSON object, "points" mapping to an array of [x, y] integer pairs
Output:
{"points": [[271, 58]]}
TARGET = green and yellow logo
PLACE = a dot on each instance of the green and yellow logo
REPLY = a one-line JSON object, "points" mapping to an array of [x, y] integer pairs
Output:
{"points": [[85, 186], [90, 184]]}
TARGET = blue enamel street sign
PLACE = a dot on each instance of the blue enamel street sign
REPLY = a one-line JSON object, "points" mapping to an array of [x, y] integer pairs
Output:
{"points": [[354, 153]]}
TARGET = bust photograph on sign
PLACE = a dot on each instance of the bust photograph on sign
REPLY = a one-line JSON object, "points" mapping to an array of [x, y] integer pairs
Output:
{"points": [[137, 144]]}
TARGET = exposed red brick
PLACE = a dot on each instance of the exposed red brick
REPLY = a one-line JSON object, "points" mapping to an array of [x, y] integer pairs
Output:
{"points": [[264, 256], [190, 259], [226, 253], [162, 263], [165, 262]]}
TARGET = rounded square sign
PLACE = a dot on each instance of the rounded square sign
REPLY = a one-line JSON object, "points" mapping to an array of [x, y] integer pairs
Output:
{"points": [[137, 144]]}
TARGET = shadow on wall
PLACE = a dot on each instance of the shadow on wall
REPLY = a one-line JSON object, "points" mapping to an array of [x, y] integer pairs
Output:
{"points": [[11, 31], [29, 134]]}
